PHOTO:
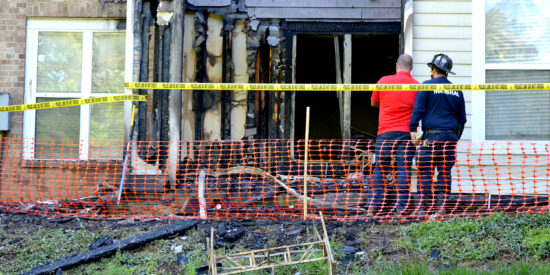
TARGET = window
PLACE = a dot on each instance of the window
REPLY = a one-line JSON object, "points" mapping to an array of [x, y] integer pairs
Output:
{"points": [[517, 115], [70, 59], [517, 50]]}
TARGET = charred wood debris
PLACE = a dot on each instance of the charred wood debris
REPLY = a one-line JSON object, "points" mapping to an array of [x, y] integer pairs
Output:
{"points": [[246, 183], [106, 246], [252, 183], [249, 182]]}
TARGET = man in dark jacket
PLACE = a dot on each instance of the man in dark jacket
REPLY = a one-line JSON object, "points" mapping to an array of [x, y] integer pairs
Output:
{"points": [[443, 117]]}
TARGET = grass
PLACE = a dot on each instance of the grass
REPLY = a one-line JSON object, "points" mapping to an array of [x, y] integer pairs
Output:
{"points": [[463, 239], [45, 246], [499, 244], [421, 268], [538, 242], [153, 258]]}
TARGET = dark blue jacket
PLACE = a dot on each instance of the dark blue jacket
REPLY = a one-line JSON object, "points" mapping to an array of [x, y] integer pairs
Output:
{"points": [[436, 112]]}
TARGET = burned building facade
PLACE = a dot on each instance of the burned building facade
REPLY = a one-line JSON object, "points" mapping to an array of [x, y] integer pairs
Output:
{"points": [[91, 44], [263, 41]]}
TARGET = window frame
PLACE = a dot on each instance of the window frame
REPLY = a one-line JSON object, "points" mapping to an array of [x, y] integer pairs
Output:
{"points": [[87, 27], [479, 69]]}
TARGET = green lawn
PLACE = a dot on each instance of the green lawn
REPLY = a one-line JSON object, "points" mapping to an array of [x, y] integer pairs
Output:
{"points": [[499, 244]]}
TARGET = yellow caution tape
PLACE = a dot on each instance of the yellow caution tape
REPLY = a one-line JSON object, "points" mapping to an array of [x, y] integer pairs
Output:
{"points": [[73, 102], [335, 87]]}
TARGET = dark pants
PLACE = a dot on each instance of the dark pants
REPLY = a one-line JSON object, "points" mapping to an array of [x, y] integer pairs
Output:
{"points": [[394, 155], [440, 155]]}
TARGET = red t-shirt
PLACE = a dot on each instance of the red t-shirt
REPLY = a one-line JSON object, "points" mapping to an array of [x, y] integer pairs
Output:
{"points": [[395, 106]]}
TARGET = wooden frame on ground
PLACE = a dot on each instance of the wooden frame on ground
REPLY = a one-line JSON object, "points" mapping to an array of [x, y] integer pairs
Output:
{"points": [[272, 257]]}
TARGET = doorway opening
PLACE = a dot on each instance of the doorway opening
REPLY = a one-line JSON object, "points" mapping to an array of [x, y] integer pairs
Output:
{"points": [[373, 56]]}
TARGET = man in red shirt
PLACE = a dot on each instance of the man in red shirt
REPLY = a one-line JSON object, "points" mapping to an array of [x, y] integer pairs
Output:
{"points": [[393, 141]]}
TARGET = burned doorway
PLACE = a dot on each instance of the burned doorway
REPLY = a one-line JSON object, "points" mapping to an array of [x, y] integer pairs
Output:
{"points": [[373, 56], [315, 63]]}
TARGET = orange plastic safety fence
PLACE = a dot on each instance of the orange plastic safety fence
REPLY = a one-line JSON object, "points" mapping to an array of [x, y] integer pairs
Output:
{"points": [[346, 179]]}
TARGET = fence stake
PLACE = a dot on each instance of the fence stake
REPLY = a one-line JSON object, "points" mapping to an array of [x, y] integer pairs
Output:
{"points": [[305, 163], [200, 188]]}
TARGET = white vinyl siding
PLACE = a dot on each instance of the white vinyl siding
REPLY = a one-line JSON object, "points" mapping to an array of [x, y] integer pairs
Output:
{"points": [[444, 27]]}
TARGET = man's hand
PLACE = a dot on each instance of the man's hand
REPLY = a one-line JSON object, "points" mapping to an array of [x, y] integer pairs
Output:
{"points": [[414, 141], [374, 104]]}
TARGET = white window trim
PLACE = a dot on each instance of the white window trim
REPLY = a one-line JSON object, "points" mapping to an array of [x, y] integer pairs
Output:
{"points": [[87, 27], [479, 68]]}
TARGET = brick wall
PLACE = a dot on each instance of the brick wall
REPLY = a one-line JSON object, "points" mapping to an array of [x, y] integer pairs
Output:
{"points": [[13, 20], [16, 178]]}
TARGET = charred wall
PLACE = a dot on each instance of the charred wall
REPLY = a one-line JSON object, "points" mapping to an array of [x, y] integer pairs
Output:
{"points": [[227, 43]]}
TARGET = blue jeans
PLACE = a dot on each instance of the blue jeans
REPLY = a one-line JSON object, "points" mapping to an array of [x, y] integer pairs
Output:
{"points": [[440, 154], [394, 155]]}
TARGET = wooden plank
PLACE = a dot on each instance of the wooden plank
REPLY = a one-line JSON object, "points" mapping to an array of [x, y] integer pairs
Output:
{"points": [[200, 193], [526, 163], [442, 20], [348, 13], [453, 32], [509, 149], [460, 70], [467, 133], [337, 13], [325, 3], [443, 45], [500, 148], [442, 7], [189, 75], [381, 13], [457, 79], [214, 63], [339, 94], [468, 98], [257, 95], [239, 99], [370, 4], [468, 106], [175, 97], [346, 126], [468, 114], [293, 99], [337, 60], [502, 187], [421, 57], [463, 170], [209, 3]]}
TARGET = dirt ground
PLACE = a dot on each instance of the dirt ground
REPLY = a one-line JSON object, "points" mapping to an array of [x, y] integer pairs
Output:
{"points": [[370, 238], [498, 244]]}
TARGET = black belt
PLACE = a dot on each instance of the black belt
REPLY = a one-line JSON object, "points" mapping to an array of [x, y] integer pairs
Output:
{"points": [[439, 131]]}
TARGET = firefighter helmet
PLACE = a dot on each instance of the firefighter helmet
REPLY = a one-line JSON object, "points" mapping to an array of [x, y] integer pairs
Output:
{"points": [[443, 62]]}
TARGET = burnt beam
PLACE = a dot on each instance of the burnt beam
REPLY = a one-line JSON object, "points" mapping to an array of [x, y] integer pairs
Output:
{"points": [[108, 250]]}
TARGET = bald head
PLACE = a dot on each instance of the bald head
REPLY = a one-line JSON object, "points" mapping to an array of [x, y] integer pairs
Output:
{"points": [[405, 63]]}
